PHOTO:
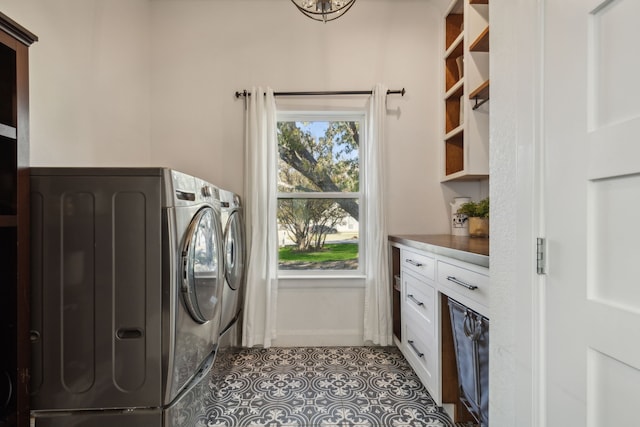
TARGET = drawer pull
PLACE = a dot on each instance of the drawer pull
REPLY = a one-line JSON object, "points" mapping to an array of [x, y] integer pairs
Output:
{"points": [[412, 298], [461, 283], [413, 347], [412, 262]]}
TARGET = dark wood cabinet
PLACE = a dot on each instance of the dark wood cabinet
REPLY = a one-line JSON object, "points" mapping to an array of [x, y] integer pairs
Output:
{"points": [[14, 222]]}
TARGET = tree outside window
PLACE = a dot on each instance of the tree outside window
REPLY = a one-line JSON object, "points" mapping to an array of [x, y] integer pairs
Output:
{"points": [[319, 176]]}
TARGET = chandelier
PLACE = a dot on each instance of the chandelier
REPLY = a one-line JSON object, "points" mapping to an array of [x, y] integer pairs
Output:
{"points": [[323, 10]]}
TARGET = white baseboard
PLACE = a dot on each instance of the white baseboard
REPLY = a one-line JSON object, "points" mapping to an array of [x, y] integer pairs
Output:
{"points": [[315, 338]]}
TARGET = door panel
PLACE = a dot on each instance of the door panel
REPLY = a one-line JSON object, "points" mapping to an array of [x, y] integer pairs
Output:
{"points": [[592, 195], [96, 292]]}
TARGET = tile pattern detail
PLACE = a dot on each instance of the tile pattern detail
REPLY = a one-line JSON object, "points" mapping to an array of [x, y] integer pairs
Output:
{"points": [[319, 386]]}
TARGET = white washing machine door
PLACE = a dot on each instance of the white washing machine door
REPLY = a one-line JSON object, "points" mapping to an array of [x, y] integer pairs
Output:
{"points": [[234, 247], [201, 269]]}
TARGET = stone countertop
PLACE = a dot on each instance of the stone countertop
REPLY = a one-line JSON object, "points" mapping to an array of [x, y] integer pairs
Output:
{"points": [[474, 250]]}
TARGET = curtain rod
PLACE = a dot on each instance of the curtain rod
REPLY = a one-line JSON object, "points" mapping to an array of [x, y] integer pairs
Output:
{"points": [[245, 93]]}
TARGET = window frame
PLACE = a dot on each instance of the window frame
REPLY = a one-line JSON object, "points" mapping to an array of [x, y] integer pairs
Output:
{"points": [[316, 115]]}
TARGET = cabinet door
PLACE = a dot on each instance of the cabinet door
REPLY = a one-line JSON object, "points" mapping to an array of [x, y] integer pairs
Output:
{"points": [[14, 222], [97, 260]]}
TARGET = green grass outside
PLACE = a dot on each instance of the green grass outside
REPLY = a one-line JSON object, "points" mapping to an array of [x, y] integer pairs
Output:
{"points": [[330, 252]]}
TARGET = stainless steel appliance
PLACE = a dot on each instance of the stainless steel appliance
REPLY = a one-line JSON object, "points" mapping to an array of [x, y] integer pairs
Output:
{"points": [[235, 263], [127, 279]]}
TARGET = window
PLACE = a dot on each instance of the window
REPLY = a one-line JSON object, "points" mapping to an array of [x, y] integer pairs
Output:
{"points": [[319, 192]]}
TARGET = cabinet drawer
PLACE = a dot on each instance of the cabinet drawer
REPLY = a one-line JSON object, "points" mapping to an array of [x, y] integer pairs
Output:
{"points": [[464, 281], [418, 263], [421, 350], [419, 297]]}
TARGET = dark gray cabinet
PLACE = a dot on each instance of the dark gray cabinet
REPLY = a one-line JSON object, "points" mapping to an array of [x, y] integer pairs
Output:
{"points": [[14, 222]]}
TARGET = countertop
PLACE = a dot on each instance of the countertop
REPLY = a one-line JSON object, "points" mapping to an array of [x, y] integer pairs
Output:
{"points": [[474, 250]]}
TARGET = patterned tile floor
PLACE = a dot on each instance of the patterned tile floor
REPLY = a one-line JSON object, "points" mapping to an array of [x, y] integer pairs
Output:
{"points": [[319, 386]]}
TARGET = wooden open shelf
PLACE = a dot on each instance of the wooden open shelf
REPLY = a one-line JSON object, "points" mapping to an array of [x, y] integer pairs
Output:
{"points": [[455, 133], [481, 43], [481, 92], [465, 154], [456, 48], [455, 91], [452, 115], [454, 154], [453, 28], [452, 73]]}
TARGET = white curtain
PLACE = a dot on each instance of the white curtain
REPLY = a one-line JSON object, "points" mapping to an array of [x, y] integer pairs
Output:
{"points": [[260, 211], [377, 303]]}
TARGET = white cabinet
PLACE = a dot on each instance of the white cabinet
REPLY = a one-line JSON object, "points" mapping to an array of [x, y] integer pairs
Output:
{"points": [[466, 283], [419, 298], [420, 336], [427, 280], [418, 263]]}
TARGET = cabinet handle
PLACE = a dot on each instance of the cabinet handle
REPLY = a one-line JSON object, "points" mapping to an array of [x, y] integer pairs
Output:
{"points": [[412, 262], [412, 298], [461, 283], [413, 347]]}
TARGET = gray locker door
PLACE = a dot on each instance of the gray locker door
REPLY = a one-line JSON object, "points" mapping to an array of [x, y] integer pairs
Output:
{"points": [[96, 292]]}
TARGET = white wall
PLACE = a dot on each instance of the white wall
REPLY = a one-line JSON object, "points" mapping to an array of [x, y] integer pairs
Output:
{"points": [[151, 82], [89, 73], [203, 51]]}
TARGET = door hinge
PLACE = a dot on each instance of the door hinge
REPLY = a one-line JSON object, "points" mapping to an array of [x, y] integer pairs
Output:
{"points": [[541, 260]]}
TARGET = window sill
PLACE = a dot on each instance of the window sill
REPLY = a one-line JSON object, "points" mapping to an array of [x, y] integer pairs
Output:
{"points": [[335, 280]]}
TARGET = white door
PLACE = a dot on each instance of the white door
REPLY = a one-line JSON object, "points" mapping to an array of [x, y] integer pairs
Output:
{"points": [[592, 211]]}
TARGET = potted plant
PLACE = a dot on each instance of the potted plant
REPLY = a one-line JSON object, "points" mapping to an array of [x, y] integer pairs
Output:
{"points": [[478, 214]]}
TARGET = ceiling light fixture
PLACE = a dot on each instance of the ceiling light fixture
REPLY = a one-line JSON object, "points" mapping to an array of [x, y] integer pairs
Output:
{"points": [[323, 10]]}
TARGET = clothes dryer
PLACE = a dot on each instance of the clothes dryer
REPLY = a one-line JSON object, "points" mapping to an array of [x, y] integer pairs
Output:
{"points": [[235, 264], [127, 279]]}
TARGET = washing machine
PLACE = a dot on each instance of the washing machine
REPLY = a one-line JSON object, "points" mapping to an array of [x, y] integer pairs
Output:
{"points": [[127, 280], [234, 244]]}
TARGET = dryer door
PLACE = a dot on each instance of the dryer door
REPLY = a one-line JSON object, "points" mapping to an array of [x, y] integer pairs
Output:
{"points": [[234, 256], [201, 266]]}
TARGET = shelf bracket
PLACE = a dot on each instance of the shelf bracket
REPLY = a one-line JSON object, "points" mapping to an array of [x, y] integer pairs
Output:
{"points": [[478, 104]]}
